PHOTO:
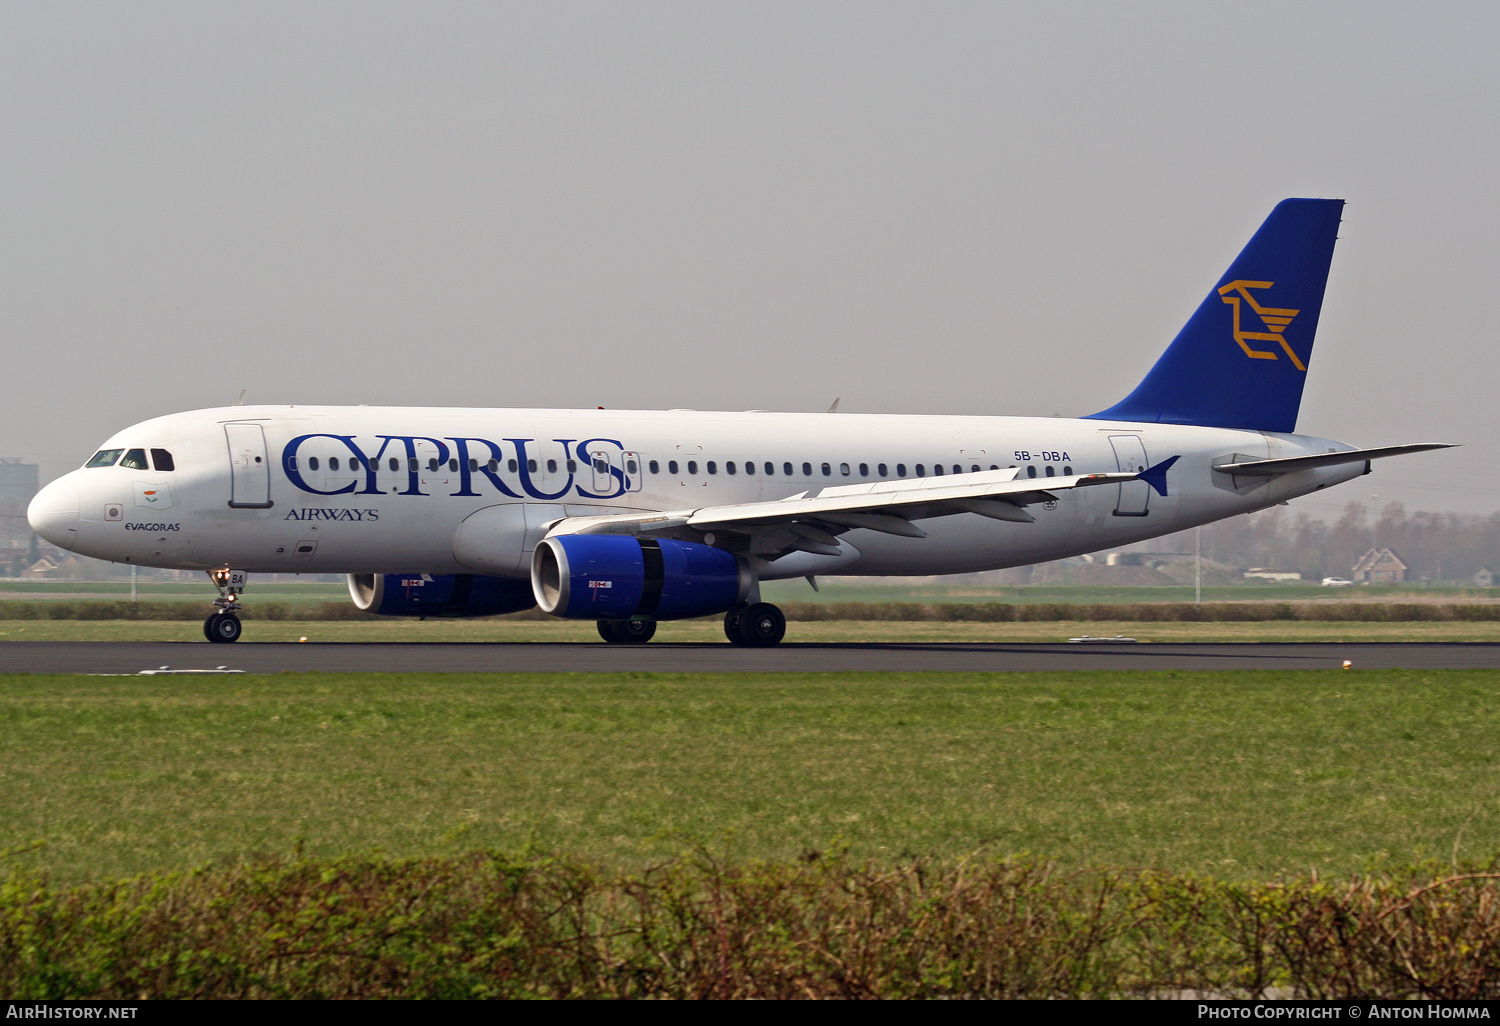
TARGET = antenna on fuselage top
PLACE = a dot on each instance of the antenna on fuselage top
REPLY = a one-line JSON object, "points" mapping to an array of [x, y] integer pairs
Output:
{"points": [[834, 408], [239, 400]]}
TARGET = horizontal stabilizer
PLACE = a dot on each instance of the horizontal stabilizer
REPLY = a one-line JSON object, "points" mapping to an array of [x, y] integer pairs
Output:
{"points": [[1272, 468]]}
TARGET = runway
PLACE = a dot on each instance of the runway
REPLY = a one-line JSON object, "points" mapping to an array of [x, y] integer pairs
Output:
{"points": [[135, 657]]}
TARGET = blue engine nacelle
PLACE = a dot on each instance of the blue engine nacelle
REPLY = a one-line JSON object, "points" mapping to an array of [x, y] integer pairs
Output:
{"points": [[449, 595], [615, 577]]}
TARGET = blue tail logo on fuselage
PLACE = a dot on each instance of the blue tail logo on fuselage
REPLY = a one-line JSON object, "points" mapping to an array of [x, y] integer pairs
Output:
{"points": [[1276, 321]]}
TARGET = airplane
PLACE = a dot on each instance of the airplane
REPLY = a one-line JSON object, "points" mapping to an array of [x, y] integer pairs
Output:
{"points": [[631, 517]]}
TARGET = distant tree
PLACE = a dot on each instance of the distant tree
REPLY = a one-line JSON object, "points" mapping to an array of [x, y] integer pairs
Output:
{"points": [[1434, 546]]}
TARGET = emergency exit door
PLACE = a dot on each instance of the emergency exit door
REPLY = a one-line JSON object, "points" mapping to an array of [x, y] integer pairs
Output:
{"points": [[249, 469]]}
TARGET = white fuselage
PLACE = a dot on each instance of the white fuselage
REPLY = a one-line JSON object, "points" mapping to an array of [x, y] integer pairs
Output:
{"points": [[385, 489]]}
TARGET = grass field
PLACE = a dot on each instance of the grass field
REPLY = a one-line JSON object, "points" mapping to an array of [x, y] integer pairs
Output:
{"points": [[1240, 775], [711, 631]]}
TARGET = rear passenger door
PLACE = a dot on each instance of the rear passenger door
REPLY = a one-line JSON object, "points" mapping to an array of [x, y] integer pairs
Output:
{"points": [[1130, 458]]}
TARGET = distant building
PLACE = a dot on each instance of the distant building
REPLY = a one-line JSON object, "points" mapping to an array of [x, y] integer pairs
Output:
{"points": [[1379, 566], [1484, 578], [1264, 574], [18, 486]]}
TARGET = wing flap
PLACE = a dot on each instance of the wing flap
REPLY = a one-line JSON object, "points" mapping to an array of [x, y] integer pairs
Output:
{"points": [[887, 501]]}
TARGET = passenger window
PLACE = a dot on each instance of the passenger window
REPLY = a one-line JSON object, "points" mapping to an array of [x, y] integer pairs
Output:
{"points": [[901, 470], [864, 470], [513, 466], [937, 470], [312, 463], [993, 467], [729, 467], [552, 466], [333, 463], [692, 466], [630, 466], [411, 465], [770, 470], [749, 467], [1031, 472], [397, 466], [881, 470], [473, 464], [713, 468], [786, 468], [1067, 471], [671, 466], [655, 467], [844, 469], [162, 460], [807, 470], [104, 458], [453, 465], [135, 459], [572, 466], [921, 470], [1050, 471], [432, 465], [974, 469], [827, 470], [493, 465]]}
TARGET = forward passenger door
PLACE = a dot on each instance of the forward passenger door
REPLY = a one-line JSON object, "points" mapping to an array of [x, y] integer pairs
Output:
{"points": [[249, 469]]}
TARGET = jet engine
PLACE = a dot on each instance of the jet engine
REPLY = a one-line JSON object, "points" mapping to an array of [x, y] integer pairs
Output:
{"points": [[444, 595], [615, 577]]}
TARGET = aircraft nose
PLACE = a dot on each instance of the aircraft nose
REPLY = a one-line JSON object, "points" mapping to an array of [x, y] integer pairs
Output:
{"points": [[53, 514]]}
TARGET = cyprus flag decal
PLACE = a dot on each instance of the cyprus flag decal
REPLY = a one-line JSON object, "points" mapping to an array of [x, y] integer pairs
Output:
{"points": [[152, 496]]}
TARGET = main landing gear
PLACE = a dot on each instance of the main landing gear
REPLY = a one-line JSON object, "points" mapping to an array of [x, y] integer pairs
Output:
{"points": [[627, 632], [223, 625], [758, 625]]}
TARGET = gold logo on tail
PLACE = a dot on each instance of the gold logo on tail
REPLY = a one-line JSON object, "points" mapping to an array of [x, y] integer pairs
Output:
{"points": [[1276, 321]]}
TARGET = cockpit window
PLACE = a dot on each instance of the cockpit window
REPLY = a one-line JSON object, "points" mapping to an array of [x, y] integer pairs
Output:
{"points": [[162, 460], [135, 459], [104, 458]]}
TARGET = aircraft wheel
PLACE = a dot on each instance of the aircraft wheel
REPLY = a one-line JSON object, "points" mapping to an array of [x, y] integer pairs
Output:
{"points": [[761, 625], [732, 627], [222, 627], [627, 632]]}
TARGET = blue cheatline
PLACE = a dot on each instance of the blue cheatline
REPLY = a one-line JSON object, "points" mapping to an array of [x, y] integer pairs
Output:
{"points": [[1241, 360]]}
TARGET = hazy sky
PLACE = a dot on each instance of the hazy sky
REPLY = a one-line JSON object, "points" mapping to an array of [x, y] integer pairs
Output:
{"points": [[986, 208]]}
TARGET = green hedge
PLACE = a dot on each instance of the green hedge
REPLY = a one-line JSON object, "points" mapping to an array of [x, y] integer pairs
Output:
{"points": [[976, 612], [1145, 612], [488, 925]]}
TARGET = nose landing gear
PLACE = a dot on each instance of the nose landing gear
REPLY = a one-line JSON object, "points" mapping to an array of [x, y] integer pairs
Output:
{"points": [[223, 625]]}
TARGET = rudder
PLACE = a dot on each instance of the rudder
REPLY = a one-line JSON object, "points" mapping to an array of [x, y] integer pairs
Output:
{"points": [[1241, 360]]}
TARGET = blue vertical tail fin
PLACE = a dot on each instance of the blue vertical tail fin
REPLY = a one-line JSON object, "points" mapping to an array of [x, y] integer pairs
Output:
{"points": [[1241, 360]]}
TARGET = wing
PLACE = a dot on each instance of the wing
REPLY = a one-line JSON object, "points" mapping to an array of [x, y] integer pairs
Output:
{"points": [[811, 521]]}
